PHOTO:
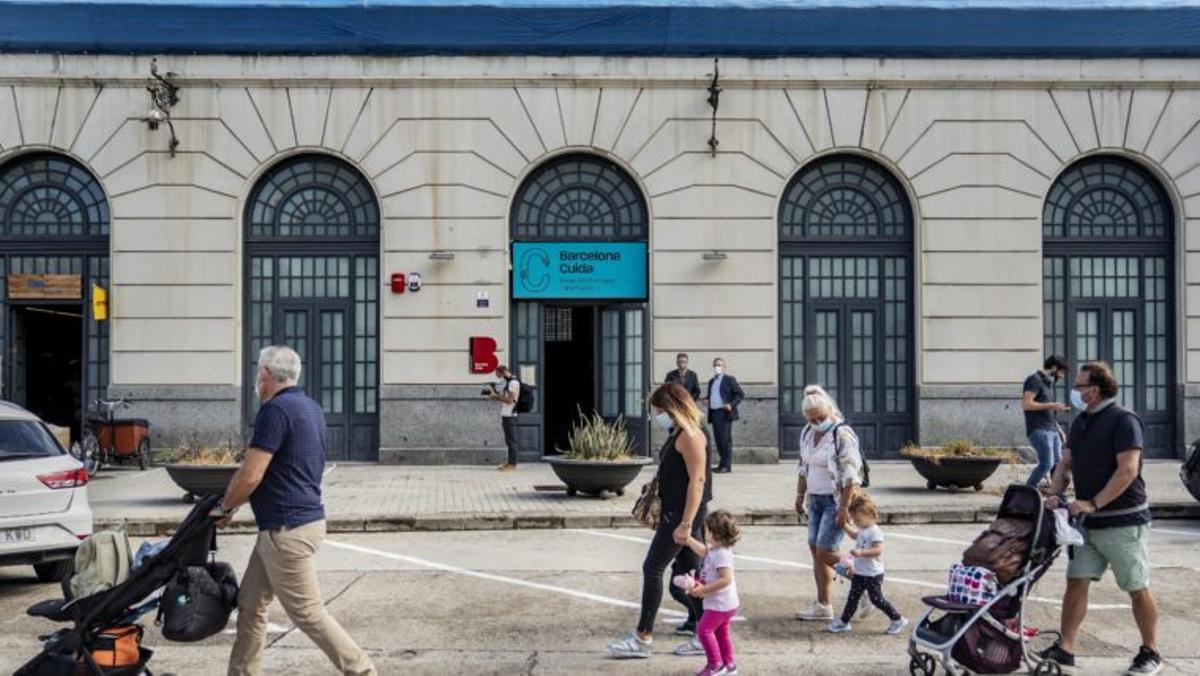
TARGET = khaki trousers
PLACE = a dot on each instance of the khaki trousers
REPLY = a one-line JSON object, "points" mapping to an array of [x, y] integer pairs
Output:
{"points": [[283, 565]]}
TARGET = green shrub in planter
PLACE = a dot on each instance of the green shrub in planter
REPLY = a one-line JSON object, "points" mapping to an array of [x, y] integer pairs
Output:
{"points": [[594, 438]]}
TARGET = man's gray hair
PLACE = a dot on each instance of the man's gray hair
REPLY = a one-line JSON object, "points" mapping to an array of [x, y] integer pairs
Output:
{"points": [[281, 362]]}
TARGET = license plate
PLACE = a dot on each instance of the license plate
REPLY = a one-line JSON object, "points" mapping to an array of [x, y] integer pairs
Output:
{"points": [[16, 535]]}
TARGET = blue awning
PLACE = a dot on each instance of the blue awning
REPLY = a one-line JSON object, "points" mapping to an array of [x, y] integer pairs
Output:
{"points": [[754, 28]]}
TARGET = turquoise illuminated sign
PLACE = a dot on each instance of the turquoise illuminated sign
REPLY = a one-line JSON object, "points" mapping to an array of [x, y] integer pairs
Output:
{"points": [[579, 270]]}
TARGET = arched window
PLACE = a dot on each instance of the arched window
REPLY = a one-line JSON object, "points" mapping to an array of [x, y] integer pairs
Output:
{"points": [[54, 220], [1108, 230], [579, 197], [312, 197], [312, 271], [844, 197], [49, 195], [845, 230]]}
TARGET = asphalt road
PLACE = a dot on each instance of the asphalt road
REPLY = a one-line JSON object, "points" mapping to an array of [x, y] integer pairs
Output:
{"points": [[547, 602]]}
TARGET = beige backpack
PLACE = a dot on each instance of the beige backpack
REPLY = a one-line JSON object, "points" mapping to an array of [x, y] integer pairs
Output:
{"points": [[101, 563]]}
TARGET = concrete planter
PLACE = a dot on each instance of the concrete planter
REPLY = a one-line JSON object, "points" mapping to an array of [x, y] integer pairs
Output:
{"points": [[1189, 474], [955, 473], [596, 476], [200, 480]]}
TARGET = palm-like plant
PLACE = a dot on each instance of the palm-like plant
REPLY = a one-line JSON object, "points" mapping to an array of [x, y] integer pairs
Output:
{"points": [[594, 438]]}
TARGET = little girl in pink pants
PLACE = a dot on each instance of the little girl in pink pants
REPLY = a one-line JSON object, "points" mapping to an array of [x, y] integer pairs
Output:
{"points": [[717, 587]]}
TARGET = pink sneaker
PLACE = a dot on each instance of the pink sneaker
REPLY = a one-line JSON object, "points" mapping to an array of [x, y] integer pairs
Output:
{"points": [[710, 671]]}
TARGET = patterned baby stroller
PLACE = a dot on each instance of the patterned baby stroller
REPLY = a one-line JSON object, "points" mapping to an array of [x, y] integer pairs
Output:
{"points": [[993, 638]]}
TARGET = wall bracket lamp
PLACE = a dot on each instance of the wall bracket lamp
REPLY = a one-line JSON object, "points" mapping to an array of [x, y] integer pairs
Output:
{"points": [[164, 94], [714, 100]]}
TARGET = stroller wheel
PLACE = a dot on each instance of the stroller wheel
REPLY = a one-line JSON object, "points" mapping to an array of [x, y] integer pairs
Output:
{"points": [[1047, 668], [921, 665]]}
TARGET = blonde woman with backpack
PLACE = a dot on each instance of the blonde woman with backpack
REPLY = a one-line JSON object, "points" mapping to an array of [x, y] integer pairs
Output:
{"points": [[830, 474]]}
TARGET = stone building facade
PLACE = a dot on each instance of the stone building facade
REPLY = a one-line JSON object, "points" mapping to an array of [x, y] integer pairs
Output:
{"points": [[915, 233]]}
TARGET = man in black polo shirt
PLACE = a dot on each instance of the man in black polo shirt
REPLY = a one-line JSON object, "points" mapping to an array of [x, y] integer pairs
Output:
{"points": [[281, 478], [1104, 457], [1037, 401]]}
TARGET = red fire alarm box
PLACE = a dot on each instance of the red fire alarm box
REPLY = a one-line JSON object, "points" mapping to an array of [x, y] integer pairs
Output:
{"points": [[483, 354], [398, 284]]}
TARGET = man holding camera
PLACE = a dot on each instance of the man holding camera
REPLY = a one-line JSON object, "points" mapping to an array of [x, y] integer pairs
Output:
{"points": [[506, 390]]}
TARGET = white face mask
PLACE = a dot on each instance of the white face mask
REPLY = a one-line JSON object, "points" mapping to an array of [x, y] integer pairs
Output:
{"points": [[664, 420], [1077, 401], [718, 370], [824, 426]]}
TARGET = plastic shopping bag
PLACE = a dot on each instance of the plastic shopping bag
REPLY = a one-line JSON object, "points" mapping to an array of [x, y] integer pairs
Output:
{"points": [[1064, 532]]}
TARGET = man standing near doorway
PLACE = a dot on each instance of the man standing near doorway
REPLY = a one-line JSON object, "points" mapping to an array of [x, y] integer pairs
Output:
{"points": [[1042, 430], [506, 391], [281, 479], [684, 377], [1104, 457], [724, 396]]}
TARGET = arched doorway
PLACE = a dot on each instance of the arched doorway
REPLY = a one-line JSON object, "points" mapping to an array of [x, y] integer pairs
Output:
{"points": [[845, 290], [1107, 283], [582, 342], [311, 229], [54, 225]]}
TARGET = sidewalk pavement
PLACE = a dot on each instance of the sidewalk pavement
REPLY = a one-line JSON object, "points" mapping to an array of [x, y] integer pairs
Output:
{"points": [[368, 498]]}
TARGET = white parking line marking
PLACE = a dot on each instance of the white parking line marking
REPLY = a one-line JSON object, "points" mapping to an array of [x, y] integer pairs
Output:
{"points": [[1171, 531], [926, 538], [492, 577], [272, 628], [805, 566]]}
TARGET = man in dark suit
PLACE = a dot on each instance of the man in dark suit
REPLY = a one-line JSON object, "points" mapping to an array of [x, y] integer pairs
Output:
{"points": [[724, 396], [684, 377]]}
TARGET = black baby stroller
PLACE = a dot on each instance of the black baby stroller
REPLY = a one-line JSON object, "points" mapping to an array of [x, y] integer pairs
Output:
{"points": [[104, 628], [992, 638]]}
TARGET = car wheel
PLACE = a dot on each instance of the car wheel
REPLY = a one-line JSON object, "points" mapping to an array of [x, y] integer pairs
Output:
{"points": [[53, 571]]}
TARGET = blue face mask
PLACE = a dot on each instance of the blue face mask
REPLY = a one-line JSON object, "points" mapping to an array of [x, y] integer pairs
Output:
{"points": [[824, 426], [664, 420], [1077, 401]]}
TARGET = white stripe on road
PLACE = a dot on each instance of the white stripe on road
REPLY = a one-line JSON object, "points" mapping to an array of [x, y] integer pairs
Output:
{"points": [[1171, 531], [492, 577], [926, 538], [805, 566], [272, 628]]}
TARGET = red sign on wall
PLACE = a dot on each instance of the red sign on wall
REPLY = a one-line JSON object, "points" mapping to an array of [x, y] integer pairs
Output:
{"points": [[483, 354]]}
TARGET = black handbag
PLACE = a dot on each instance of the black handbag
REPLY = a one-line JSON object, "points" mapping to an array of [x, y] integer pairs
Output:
{"points": [[197, 602]]}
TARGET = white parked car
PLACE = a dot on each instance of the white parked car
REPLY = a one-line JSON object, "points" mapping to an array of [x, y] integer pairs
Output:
{"points": [[44, 510]]}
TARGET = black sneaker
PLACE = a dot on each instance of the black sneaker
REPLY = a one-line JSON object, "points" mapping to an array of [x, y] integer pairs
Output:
{"points": [[1056, 654], [1146, 662]]}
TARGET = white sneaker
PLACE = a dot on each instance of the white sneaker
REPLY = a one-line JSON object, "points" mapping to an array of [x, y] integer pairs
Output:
{"points": [[689, 648], [864, 609], [629, 646], [727, 670], [897, 626], [817, 612], [838, 627]]}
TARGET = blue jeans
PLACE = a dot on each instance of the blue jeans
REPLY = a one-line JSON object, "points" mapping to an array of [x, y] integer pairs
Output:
{"points": [[1048, 445], [823, 530]]}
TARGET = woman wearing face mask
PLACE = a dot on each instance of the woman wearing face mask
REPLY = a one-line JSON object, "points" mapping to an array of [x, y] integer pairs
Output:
{"points": [[830, 472], [684, 489]]}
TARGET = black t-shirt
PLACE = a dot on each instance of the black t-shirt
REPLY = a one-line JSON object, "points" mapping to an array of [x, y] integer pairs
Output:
{"points": [[1042, 387], [1095, 440], [673, 477]]}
